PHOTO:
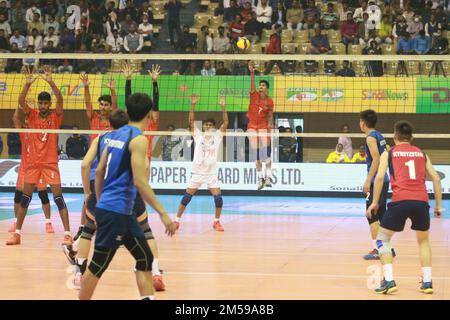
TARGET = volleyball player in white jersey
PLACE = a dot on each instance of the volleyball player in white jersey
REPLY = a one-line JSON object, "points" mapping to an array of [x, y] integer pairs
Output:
{"points": [[204, 165]]}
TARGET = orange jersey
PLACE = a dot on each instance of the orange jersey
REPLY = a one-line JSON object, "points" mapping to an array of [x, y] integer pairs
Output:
{"points": [[43, 146], [258, 110], [151, 126], [98, 124]]}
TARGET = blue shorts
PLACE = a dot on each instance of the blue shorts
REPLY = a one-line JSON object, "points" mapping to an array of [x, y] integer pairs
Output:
{"points": [[114, 229], [398, 212], [381, 204]]}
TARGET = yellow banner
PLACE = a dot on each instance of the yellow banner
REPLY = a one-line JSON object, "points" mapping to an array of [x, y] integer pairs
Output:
{"points": [[344, 94], [70, 85]]}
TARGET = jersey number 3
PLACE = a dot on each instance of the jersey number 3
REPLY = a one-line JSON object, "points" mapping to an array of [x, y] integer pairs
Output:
{"points": [[412, 169]]}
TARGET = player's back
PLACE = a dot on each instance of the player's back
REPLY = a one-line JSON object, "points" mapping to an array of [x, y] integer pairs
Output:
{"points": [[119, 192], [407, 167], [101, 144], [381, 145]]}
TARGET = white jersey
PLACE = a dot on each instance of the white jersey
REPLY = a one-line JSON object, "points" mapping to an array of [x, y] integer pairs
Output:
{"points": [[205, 152]]}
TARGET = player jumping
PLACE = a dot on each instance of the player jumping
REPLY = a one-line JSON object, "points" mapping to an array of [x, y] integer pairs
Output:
{"points": [[408, 167]]}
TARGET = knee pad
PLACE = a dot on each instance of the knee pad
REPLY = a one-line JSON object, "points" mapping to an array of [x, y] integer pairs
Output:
{"points": [[383, 244], [25, 201], [186, 199], [100, 261], [43, 195], [88, 229], [146, 229], [218, 201], [17, 196], [141, 252], [60, 203]]}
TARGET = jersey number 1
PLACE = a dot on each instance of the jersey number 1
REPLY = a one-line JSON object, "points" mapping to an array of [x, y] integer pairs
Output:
{"points": [[107, 165], [412, 169]]}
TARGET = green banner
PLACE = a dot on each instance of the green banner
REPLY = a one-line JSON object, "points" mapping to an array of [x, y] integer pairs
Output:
{"points": [[433, 95], [175, 91]]}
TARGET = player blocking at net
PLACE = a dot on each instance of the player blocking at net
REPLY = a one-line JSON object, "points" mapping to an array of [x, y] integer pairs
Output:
{"points": [[43, 160], [408, 167], [120, 171], [260, 115], [204, 165]]}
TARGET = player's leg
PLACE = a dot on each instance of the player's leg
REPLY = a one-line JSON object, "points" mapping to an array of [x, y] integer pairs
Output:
{"points": [[192, 188], [254, 154], [63, 212], [45, 202], [374, 225], [218, 203], [266, 152], [385, 250], [17, 197], [25, 200]]}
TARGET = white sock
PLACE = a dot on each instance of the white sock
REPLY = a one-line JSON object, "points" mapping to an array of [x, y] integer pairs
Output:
{"points": [[388, 272], [260, 175], [155, 267], [375, 244], [48, 221], [268, 173], [426, 274], [148, 298], [216, 220], [177, 219], [18, 231], [80, 261], [67, 233]]}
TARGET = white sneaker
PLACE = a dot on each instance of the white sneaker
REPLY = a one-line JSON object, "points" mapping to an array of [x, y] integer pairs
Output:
{"points": [[260, 183]]}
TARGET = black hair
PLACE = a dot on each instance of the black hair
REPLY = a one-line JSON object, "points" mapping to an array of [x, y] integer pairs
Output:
{"points": [[266, 82], [138, 106], [404, 130], [118, 119], [211, 120], [171, 126], [369, 117], [299, 129], [105, 97], [44, 96]]}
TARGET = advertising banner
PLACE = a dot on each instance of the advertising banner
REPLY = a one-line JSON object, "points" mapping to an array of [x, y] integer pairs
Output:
{"points": [[433, 95]]}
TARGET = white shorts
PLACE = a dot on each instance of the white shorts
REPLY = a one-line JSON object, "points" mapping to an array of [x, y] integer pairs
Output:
{"points": [[197, 180]]}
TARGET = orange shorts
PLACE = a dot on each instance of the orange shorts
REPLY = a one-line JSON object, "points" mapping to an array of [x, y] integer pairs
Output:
{"points": [[41, 185], [258, 141], [48, 172]]}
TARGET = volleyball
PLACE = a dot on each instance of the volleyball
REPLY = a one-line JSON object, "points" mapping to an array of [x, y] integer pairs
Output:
{"points": [[243, 43]]}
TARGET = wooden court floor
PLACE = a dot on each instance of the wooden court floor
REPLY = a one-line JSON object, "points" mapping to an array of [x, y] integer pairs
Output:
{"points": [[257, 257]]}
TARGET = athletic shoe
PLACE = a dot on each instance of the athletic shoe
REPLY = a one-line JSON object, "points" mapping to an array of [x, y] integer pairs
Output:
{"points": [[177, 225], [386, 287], [14, 240], [372, 255], [70, 254], [158, 283], [427, 287], [260, 183], [12, 228], [217, 226], [268, 182], [67, 241], [49, 228], [77, 281]]}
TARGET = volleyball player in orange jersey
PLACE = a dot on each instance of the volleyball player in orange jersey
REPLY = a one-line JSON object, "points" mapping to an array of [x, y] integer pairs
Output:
{"points": [[41, 186], [43, 158], [153, 125], [260, 115]]}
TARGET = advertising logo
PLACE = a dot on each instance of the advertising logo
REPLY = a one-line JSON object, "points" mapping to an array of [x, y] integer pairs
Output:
{"points": [[332, 94], [440, 95], [302, 94], [381, 95]]}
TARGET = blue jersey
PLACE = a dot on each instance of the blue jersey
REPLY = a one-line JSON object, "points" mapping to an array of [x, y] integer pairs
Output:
{"points": [[119, 192], [381, 144], [101, 144]]}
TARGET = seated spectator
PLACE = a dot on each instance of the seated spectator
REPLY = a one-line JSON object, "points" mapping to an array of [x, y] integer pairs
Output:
{"points": [[36, 24], [97, 41], [346, 141], [384, 32], [236, 29], [129, 9], [264, 14], [246, 12], [51, 36], [346, 71], [32, 63], [4, 43], [360, 157], [83, 65], [146, 30], [422, 43], [415, 26], [101, 65], [133, 41], [288, 147], [358, 15], [221, 70], [208, 69], [295, 17], [253, 29], [279, 15], [343, 10], [311, 22], [432, 27], [330, 18], [31, 11], [35, 40], [111, 25], [374, 68], [231, 11], [14, 145], [4, 10], [115, 42], [338, 156], [319, 43], [76, 146], [83, 38], [19, 23], [204, 40], [126, 24], [51, 23], [274, 47], [442, 16], [66, 65], [145, 10], [221, 44], [389, 11], [408, 14], [4, 24], [191, 70], [366, 30], [67, 40], [187, 41], [14, 65], [405, 45], [52, 64], [349, 31], [440, 45], [427, 11], [49, 8], [400, 27]]}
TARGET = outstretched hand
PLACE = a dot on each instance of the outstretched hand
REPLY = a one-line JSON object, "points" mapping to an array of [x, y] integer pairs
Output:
{"points": [[30, 76], [47, 76], [195, 98], [127, 70], [155, 72], [84, 79]]}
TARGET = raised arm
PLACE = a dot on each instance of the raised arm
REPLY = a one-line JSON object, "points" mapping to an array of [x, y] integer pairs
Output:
{"points": [[434, 176], [127, 71], [222, 103], [16, 121], [87, 95], [86, 166], [59, 98], [154, 73], [252, 77], [194, 100], [112, 88], [378, 185], [138, 148], [30, 78]]}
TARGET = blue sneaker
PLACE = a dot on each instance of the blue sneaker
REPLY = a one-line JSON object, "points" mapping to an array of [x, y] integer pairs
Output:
{"points": [[372, 255], [427, 287], [386, 287]]}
